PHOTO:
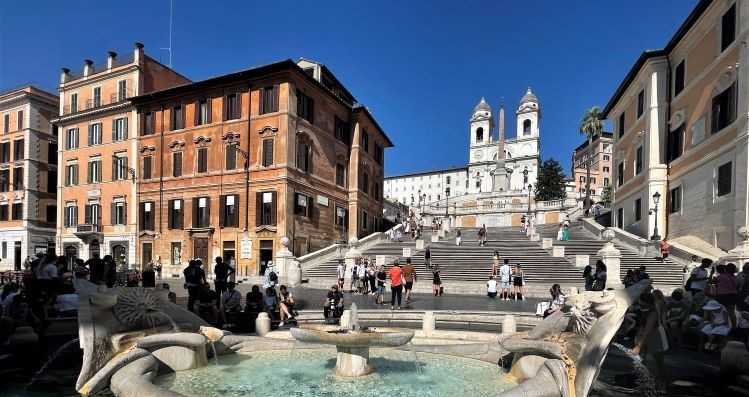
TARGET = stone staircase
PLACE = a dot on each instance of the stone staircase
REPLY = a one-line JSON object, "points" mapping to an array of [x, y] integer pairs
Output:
{"points": [[666, 274]]}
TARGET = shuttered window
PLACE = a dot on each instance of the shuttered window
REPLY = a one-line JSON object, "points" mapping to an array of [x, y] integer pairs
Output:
{"points": [[177, 118], [724, 179], [203, 112], [147, 215], [118, 214], [119, 129], [147, 167], [94, 171], [269, 99], [177, 164], [201, 212], [303, 205], [94, 134], [304, 157], [340, 175], [232, 106], [231, 157], [266, 208], [148, 123], [342, 131], [229, 210], [267, 152], [305, 107], [18, 149], [203, 160], [176, 215], [724, 109]]}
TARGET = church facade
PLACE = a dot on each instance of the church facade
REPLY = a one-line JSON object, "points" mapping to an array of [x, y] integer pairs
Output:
{"points": [[487, 171]]}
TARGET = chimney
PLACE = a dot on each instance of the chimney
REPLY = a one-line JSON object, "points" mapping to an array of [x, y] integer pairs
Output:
{"points": [[138, 53], [88, 68], [64, 76], [110, 60]]}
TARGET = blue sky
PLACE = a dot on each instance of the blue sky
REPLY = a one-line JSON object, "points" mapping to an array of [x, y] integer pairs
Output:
{"points": [[421, 66]]}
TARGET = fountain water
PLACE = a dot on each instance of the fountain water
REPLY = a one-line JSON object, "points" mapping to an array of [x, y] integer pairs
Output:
{"points": [[352, 342], [416, 358], [645, 381], [52, 358]]}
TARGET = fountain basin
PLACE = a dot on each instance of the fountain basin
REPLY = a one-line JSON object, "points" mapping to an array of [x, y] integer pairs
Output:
{"points": [[338, 336], [306, 372]]}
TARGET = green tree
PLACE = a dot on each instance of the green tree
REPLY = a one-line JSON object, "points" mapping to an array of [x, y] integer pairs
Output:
{"points": [[591, 125], [607, 195], [550, 181]]}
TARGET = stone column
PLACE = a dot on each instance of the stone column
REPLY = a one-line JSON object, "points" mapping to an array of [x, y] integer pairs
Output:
{"points": [[284, 258], [350, 257], [509, 325], [429, 322], [612, 258], [740, 254]]}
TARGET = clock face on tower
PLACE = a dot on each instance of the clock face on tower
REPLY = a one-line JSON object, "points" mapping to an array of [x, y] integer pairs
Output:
{"points": [[478, 155]]}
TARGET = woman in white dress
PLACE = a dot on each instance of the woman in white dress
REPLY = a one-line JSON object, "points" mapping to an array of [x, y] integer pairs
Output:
{"points": [[717, 325]]}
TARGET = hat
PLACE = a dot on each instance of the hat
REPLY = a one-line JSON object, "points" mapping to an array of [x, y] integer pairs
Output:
{"points": [[712, 305], [334, 287]]}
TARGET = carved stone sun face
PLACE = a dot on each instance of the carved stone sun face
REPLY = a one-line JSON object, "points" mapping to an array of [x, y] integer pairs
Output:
{"points": [[134, 305]]}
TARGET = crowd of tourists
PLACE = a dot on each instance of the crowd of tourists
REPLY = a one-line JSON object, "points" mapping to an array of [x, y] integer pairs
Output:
{"points": [[222, 305], [505, 281], [367, 277]]}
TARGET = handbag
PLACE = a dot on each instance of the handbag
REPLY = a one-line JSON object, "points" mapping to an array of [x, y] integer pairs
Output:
{"points": [[541, 308], [711, 289]]}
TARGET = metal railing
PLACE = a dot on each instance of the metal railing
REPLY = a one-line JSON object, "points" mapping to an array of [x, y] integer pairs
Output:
{"points": [[91, 103], [88, 228]]}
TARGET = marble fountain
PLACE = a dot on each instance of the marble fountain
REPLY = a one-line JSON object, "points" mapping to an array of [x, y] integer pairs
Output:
{"points": [[136, 343]]}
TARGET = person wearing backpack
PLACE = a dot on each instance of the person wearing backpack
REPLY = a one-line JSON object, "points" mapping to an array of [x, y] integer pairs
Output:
{"points": [[271, 276], [354, 275], [194, 279]]}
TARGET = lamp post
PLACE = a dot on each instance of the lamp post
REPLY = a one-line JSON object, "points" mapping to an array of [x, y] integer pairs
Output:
{"points": [[246, 184], [530, 186], [654, 210], [447, 202]]}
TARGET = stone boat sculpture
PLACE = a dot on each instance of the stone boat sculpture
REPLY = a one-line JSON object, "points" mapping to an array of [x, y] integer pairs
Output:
{"points": [[562, 355]]}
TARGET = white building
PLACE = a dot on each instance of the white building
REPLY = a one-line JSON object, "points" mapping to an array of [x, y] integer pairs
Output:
{"points": [[28, 175], [521, 159]]}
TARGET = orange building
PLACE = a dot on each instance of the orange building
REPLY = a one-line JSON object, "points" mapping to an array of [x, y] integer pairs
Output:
{"points": [[28, 174], [600, 165], [231, 164], [96, 185]]}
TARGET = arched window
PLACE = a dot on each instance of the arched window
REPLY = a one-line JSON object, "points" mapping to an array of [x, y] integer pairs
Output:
{"points": [[479, 134], [526, 127]]}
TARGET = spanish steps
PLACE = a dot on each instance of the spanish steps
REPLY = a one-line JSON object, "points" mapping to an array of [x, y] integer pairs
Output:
{"points": [[468, 266]]}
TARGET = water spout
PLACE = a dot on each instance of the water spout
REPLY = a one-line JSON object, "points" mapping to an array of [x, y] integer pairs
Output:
{"points": [[354, 321], [52, 358], [645, 381], [213, 349], [416, 359]]}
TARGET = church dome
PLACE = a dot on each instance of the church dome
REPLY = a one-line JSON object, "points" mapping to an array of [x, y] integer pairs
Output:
{"points": [[529, 97], [482, 106]]}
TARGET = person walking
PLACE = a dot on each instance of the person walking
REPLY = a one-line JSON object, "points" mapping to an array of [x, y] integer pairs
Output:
{"points": [[458, 235], [194, 280], [504, 280], [396, 285], [436, 280], [495, 263], [522, 223], [518, 282], [428, 258], [566, 233], [381, 278], [665, 247], [372, 276], [409, 275], [341, 273], [482, 235]]}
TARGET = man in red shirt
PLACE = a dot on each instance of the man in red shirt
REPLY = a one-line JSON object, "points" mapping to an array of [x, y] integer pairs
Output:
{"points": [[396, 284]]}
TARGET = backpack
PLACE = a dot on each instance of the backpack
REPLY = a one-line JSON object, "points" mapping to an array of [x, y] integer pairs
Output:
{"points": [[355, 271], [272, 276]]}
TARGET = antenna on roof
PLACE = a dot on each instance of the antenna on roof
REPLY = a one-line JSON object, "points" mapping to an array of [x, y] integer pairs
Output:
{"points": [[170, 35]]}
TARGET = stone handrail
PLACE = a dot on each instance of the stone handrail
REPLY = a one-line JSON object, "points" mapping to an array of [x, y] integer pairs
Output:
{"points": [[336, 251], [683, 254], [632, 241], [481, 208]]}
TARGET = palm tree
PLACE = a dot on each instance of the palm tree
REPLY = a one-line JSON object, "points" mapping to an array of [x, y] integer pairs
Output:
{"points": [[591, 125]]}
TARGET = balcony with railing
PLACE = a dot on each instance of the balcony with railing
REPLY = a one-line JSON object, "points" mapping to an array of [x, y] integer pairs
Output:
{"points": [[88, 232], [99, 101]]}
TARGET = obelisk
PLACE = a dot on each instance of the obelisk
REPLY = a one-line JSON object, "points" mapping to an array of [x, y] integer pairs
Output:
{"points": [[501, 181]]}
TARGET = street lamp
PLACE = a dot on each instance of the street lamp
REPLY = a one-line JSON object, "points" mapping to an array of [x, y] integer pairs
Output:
{"points": [[530, 186], [246, 156], [654, 210], [447, 202]]}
